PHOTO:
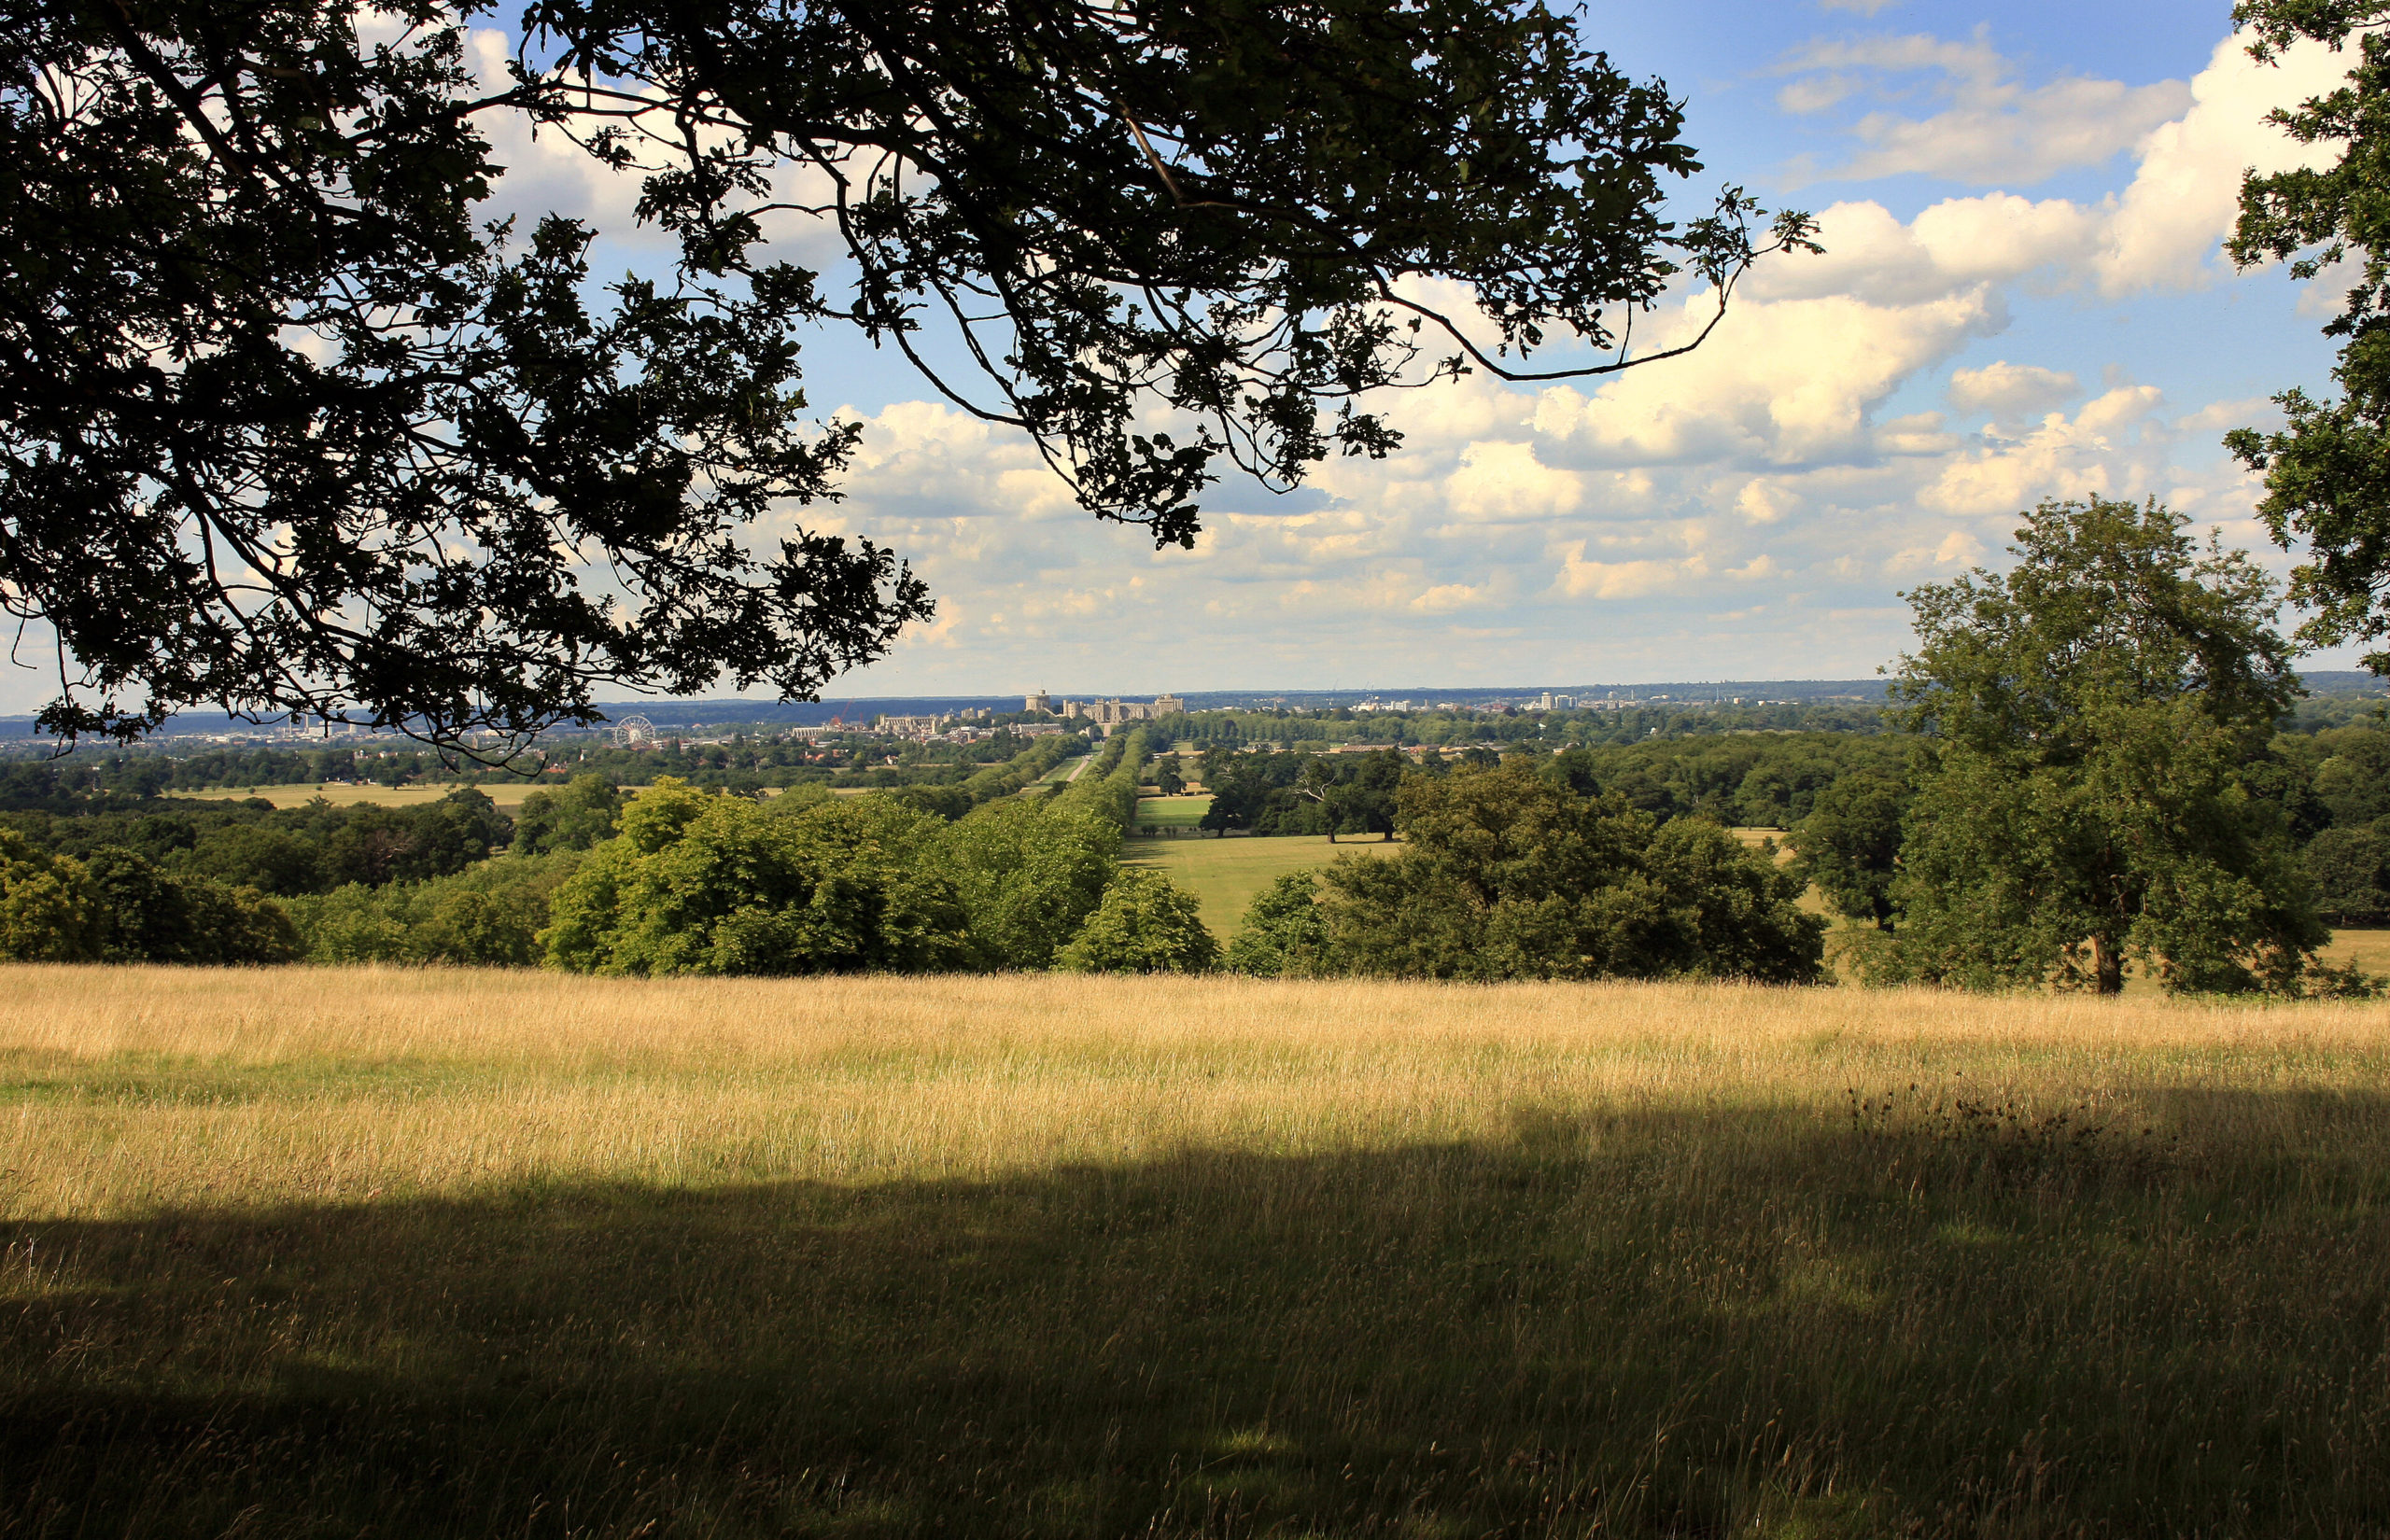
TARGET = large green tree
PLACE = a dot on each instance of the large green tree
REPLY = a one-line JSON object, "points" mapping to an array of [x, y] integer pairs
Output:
{"points": [[289, 422], [699, 883], [1145, 924], [2327, 469], [2091, 724], [1027, 875], [1507, 873]]}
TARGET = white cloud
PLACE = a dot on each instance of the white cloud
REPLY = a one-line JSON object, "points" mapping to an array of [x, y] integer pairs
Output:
{"points": [[2100, 452], [2006, 387], [2186, 191], [1995, 128], [1506, 482], [1784, 382]]}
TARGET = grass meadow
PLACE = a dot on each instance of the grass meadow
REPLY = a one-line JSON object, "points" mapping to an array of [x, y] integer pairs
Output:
{"points": [[318, 1252]]}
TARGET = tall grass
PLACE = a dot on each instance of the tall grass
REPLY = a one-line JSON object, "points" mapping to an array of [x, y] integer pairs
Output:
{"points": [[457, 1253]]}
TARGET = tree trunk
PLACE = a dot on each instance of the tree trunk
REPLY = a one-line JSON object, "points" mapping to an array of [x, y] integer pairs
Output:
{"points": [[2107, 966]]}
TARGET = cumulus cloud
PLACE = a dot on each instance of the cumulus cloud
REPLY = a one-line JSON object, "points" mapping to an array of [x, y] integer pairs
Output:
{"points": [[2099, 452], [2185, 191], [1793, 381], [2004, 387], [1995, 128]]}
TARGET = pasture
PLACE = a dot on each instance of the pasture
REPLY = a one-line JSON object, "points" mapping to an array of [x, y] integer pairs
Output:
{"points": [[447, 1252]]}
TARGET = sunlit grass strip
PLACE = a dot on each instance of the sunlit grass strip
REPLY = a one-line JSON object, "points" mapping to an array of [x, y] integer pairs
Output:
{"points": [[136, 1089]]}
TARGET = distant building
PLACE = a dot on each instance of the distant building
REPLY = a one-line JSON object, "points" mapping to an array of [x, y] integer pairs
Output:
{"points": [[1038, 702]]}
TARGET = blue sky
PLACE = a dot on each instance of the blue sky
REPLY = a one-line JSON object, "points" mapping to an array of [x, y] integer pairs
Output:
{"points": [[2021, 299]]}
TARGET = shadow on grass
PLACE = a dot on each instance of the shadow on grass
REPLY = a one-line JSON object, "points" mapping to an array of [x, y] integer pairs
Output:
{"points": [[1665, 1324]]}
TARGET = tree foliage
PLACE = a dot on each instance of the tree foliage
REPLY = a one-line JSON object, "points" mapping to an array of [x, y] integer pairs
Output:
{"points": [[1284, 933], [575, 815], [146, 913], [2328, 470], [2092, 721], [1849, 844], [1145, 924], [289, 422], [708, 884], [48, 910], [1027, 876], [1509, 875]]}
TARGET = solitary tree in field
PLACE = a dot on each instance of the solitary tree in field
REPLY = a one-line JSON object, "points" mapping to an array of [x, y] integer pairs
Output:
{"points": [[2091, 720], [289, 422]]}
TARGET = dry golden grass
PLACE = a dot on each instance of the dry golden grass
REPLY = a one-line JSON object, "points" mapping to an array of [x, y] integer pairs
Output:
{"points": [[438, 1081], [450, 1253], [506, 794]]}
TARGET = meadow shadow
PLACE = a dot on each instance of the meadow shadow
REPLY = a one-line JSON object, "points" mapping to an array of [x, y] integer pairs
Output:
{"points": [[1655, 1322]]}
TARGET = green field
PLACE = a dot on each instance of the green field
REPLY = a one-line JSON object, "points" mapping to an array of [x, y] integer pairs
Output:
{"points": [[441, 1253], [1225, 873], [1170, 812]]}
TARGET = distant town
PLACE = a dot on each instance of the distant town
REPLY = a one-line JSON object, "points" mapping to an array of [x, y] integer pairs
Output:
{"points": [[969, 720]]}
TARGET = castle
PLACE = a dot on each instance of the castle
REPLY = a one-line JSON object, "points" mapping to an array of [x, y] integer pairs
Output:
{"points": [[1107, 713]]}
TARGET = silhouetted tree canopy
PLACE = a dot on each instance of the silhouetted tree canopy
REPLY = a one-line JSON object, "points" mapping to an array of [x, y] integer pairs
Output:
{"points": [[289, 422]]}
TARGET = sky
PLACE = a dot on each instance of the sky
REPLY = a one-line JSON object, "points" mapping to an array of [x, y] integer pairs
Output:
{"points": [[2021, 297]]}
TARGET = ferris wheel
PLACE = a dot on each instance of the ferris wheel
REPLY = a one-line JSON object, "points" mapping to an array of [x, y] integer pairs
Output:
{"points": [[633, 732]]}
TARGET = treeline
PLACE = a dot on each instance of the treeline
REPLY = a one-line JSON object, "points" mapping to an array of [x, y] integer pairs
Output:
{"points": [[743, 763], [1510, 873], [1320, 729], [213, 882], [1763, 780], [112, 877], [693, 883]]}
